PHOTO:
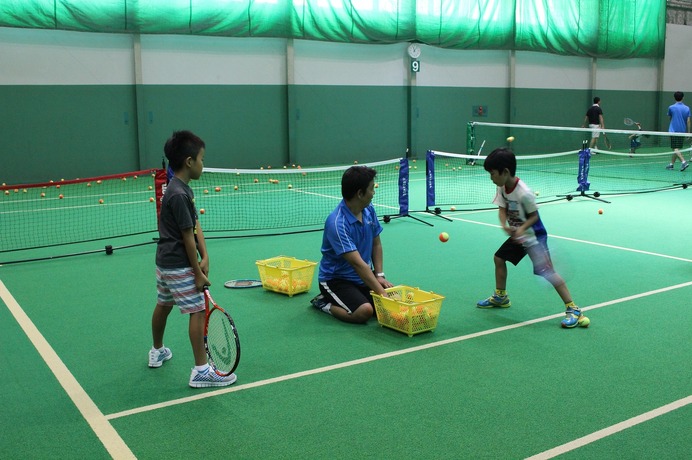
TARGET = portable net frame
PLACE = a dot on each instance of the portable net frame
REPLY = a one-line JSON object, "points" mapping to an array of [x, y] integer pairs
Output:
{"points": [[548, 161], [85, 214]]}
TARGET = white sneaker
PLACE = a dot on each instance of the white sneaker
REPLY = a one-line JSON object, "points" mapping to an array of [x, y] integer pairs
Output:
{"points": [[157, 357], [209, 378]]}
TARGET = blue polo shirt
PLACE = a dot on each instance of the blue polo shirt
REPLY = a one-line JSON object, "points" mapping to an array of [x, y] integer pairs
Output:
{"points": [[678, 113], [344, 233]]}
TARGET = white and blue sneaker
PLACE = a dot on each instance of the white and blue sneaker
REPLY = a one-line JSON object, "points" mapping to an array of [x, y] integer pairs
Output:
{"points": [[157, 357], [321, 304], [574, 318], [499, 301], [209, 378]]}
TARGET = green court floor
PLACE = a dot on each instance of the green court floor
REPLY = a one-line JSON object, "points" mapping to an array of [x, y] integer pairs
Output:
{"points": [[485, 384]]}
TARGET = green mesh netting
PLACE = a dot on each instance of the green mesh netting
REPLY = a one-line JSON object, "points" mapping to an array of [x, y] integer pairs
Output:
{"points": [[601, 28]]}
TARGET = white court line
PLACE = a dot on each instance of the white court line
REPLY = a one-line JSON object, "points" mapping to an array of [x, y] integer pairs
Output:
{"points": [[110, 439], [368, 359], [593, 437], [593, 243]]}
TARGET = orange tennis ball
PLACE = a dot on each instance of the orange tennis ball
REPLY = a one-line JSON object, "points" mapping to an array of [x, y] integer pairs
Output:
{"points": [[444, 237], [600, 211], [60, 196], [101, 201], [202, 211], [218, 189]]}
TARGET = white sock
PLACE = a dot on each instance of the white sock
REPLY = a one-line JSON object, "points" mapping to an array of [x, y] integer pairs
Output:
{"points": [[202, 369]]}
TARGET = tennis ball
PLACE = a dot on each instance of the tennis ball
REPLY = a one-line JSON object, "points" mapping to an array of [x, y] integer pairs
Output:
{"points": [[205, 190], [584, 321], [202, 211], [151, 199], [43, 195], [101, 201], [235, 187], [60, 196], [218, 189], [600, 211], [510, 139], [444, 237], [453, 208], [57, 186], [290, 186]]}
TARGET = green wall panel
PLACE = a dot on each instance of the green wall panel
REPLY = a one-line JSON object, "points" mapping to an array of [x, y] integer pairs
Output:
{"points": [[442, 114], [56, 132], [242, 126], [342, 124]]}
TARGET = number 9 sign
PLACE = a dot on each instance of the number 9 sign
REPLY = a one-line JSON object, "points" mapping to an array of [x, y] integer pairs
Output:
{"points": [[415, 65]]}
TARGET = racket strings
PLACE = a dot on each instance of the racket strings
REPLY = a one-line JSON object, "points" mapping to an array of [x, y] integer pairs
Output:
{"points": [[221, 342]]}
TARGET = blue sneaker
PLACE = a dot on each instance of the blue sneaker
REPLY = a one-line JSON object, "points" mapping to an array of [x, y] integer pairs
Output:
{"points": [[684, 166], [157, 357], [500, 301], [209, 378], [322, 305], [574, 318]]}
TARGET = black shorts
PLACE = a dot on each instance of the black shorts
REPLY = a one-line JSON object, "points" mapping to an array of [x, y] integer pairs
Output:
{"points": [[513, 252], [676, 142], [345, 294]]}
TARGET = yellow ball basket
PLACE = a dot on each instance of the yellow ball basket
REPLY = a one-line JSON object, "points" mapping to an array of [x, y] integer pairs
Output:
{"points": [[408, 310], [286, 275]]}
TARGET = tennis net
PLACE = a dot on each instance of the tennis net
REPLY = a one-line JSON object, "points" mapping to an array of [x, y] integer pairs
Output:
{"points": [[86, 213], [537, 139], [459, 181], [50, 214], [260, 200]]}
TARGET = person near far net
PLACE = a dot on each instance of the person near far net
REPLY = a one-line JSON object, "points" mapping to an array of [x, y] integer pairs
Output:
{"points": [[520, 220], [635, 140], [352, 255], [182, 261], [679, 115], [594, 120]]}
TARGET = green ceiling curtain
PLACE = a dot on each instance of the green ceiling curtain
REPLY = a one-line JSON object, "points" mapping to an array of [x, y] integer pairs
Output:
{"points": [[615, 29]]}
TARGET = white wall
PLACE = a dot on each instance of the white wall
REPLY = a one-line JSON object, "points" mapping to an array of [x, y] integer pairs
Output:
{"points": [[185, 60], [55, 57], [677, 69], [50, 57]]}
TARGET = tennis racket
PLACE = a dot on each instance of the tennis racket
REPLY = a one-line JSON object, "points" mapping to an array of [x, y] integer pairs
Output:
{"points": [[473, 162], [242, 284], [629, 122], [220, 337]]}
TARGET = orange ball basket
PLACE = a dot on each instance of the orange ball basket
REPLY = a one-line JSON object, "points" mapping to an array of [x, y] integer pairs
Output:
{"points": [[286, 275], [408, 310]]}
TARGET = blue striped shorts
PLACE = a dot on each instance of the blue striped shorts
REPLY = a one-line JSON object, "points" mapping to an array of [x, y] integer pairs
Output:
{"points": [[176, 286]]}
